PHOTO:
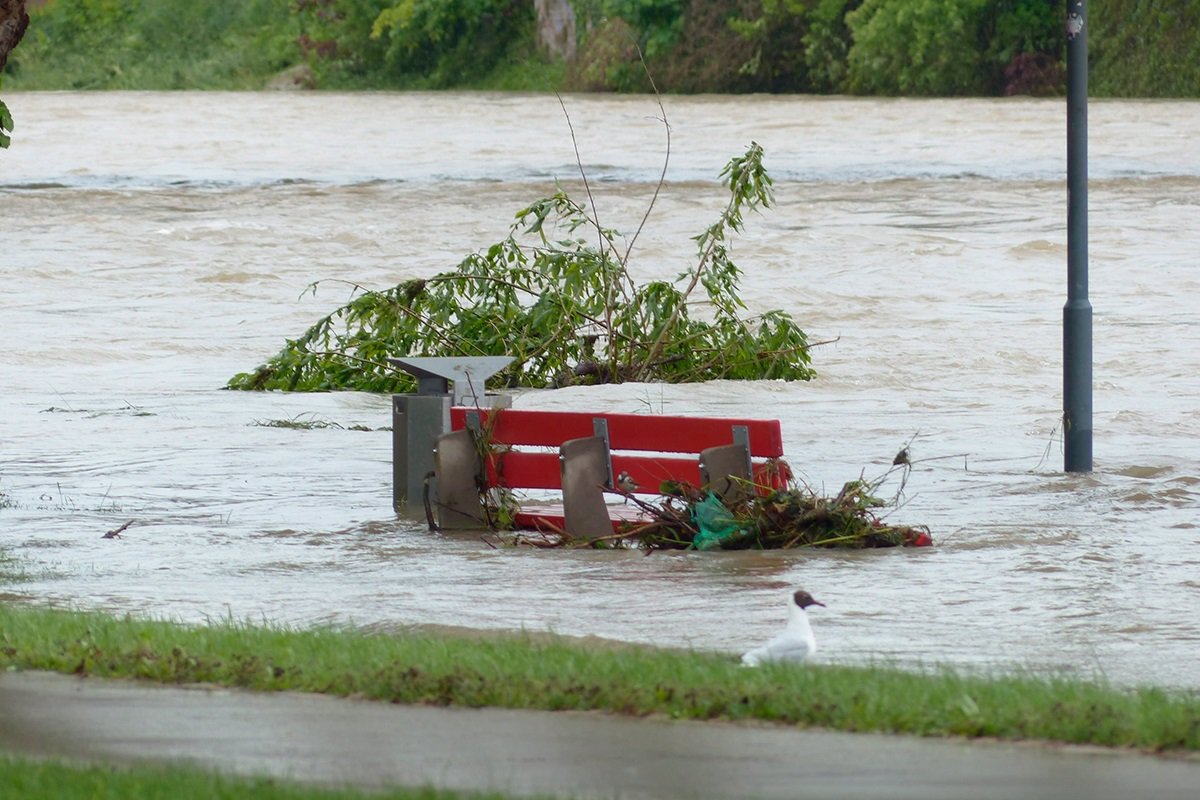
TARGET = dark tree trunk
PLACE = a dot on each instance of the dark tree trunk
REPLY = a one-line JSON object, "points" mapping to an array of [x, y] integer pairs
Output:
{"points": [[13, 22]]}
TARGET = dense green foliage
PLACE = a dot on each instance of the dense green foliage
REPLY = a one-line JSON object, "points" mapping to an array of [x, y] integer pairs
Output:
{"points": [[827, 44], [953, 47], [553, 674], [557, 295], [137, 44], [1143, 48], [921, 47], [417, 43]]}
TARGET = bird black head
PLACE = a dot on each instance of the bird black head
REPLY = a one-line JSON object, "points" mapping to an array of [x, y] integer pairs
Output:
{"points": [[804, 599]]}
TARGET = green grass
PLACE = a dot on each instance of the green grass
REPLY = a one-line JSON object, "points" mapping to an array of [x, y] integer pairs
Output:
{"points": [[550, 673], [531, 75], [1137, 48], [35, 779], [230, 45], [136, 44]]}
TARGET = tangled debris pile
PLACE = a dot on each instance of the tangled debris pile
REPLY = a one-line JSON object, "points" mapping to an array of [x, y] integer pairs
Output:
{"points": [[685, 518]]}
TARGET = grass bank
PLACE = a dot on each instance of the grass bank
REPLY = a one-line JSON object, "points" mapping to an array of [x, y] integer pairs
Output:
{"points": [[32, 779], [137, 45], [883, 47], [550, 673], [236, 45]]}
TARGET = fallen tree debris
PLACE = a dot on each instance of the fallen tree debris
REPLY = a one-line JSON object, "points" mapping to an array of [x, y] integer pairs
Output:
{"points": [[683, 517]]}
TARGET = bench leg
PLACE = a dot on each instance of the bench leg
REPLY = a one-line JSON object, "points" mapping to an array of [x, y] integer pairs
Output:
{"points": [[585, 472], [456, 464], [726, 472]]}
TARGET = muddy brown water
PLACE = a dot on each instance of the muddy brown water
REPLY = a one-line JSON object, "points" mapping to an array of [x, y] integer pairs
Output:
{"points": [[153, 244]]}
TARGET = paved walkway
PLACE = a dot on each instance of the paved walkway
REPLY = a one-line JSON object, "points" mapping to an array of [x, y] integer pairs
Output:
{"points": [[334, 741]]}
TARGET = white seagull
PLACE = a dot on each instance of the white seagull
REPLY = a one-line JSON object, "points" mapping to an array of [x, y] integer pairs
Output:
{"points": [[796, 643]]}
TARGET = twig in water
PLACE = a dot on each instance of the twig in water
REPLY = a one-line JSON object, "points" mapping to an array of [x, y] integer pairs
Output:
{"points": [[662, 178], [115, 533], [651, 509], [583, 174], [554, 528], [939, 458], [1050, 443], [598, 539]]}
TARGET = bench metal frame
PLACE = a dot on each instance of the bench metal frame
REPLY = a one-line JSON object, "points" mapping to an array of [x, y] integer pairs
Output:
{"points": [[492, 449]]}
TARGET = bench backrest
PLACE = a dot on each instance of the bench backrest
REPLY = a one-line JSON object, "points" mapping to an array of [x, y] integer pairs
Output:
{"points": [[641, 444]]}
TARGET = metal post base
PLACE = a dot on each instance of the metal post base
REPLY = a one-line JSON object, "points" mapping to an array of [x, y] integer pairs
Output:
{"points": [[417, 422]]}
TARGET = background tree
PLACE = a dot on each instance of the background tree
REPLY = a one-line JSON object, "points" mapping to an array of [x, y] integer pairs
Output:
{"points": [[13, 22], [916, 47]]}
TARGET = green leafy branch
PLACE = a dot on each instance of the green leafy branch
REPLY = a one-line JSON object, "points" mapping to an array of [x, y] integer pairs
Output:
{"points": [[563, 305]]}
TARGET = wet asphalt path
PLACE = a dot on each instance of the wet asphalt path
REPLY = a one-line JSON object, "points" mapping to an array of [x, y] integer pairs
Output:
{"points": [[370, 745]]}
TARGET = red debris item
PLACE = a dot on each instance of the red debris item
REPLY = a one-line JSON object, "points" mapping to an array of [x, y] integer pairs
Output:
{"points": [[918, 537]]}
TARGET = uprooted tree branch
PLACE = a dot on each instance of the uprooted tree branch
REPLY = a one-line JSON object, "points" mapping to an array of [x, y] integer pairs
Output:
{"points": [[557, 294]]}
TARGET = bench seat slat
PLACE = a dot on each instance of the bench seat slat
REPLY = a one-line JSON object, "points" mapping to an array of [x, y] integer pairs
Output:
{"points": [[627, 431], [518, 469], [549, 517]]}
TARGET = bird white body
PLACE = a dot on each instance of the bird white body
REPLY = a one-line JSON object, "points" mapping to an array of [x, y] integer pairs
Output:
{"points": [[795, 643]]}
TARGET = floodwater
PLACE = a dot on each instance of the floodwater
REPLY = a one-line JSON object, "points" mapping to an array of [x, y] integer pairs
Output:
{"points": [[153, 244]]}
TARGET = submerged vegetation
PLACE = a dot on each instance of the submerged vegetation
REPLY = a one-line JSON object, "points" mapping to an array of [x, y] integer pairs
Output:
{"points": [[136, 44], [11, 569], [874, 47], [772, 512], [551, 673], [307, 422], [557, 295], [780, 519]]}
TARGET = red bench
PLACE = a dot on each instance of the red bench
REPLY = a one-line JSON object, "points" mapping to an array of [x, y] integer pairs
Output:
{"points": [[585, 455]]}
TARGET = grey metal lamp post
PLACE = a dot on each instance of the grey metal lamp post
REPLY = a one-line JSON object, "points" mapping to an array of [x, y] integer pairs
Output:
{"points": [[1077, 313]]}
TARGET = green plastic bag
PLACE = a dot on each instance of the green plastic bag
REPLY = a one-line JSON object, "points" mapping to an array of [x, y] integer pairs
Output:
{"points": [[716, 524]]}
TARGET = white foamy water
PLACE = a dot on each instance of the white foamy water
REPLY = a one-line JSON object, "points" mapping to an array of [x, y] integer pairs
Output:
{"points": [[154, 244]]}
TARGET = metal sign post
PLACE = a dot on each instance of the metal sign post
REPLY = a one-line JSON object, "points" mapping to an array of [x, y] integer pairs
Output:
{"points": [[419, 419], [1077, 313]]}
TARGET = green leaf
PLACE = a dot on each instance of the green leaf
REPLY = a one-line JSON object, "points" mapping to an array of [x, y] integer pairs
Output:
{"points": [[6, 125]]}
